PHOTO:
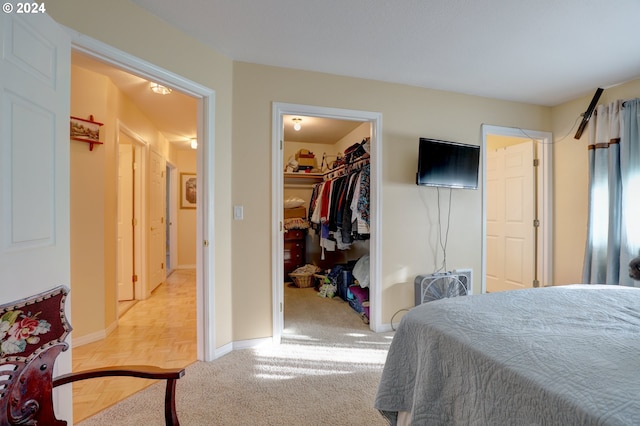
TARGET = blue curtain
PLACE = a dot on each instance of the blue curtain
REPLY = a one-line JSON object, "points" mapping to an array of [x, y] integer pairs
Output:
{"points": [[613, 228]]}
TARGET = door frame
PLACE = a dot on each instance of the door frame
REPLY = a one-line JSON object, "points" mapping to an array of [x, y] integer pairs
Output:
{"points": [[279, 110], [205, 213], [544, 185]]}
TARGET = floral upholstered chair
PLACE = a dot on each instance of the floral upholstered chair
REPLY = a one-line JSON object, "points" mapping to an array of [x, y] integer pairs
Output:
{"points": [[32, 335]]}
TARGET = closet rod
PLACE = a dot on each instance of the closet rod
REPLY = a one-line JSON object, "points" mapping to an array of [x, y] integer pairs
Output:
{"points": [[347, 168]]}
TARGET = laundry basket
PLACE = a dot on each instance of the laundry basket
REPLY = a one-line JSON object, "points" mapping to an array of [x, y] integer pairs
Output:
{"points": [[302, 280]]}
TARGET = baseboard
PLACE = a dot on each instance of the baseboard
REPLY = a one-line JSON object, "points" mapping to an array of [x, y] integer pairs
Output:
{"points": [[242, 344], [223, 350], [95, 336], [384, 328], [185, 267], [252, 343]]}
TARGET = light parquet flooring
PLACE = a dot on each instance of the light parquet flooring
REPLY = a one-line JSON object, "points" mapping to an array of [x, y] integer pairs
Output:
{"points": [[159, 331]]}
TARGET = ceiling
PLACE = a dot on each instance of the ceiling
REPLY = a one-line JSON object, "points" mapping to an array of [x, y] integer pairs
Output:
{"points": [[174, 115], [542, 52], [316, 129]]}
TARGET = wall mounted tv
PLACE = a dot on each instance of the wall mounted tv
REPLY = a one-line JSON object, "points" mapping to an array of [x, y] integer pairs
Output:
{"points": [[447, 164]]}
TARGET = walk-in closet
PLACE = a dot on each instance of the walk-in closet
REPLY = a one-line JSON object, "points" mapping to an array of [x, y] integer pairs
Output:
{"points": [[326, 212]]}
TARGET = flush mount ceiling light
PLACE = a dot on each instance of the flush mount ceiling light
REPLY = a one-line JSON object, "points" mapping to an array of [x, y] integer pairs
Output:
{"points": [[159, 89], [296, 123]]}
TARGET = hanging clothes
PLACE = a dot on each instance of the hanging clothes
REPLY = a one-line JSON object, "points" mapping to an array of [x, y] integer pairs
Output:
{"points": [[339, 208]]}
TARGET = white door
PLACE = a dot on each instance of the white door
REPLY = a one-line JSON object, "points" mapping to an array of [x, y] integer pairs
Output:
{"points": [[34, 164], [125, 219], [157, 197], [169, 228], [510, 218]]}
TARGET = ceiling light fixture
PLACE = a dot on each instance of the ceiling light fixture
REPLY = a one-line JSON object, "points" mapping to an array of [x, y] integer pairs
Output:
{"points": [[159, 89], [194, 143], [296, 123]]}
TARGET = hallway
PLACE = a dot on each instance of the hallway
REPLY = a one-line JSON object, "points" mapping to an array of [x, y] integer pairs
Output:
{"points": [[159, 331]]}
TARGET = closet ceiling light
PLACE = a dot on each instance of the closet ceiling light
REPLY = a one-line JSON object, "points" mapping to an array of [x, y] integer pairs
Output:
{"points": [[159, 89], [296, 123], [194, 143]]}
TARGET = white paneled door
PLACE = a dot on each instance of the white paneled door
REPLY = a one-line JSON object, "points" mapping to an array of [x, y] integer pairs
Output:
{"points": [[510, 217], [125, 219], [157, 234], [34, 162]]}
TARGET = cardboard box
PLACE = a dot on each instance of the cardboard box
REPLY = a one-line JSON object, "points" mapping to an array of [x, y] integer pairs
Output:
{"points": [[305, 158], [295, 212], [304, 153], [306, 162]]}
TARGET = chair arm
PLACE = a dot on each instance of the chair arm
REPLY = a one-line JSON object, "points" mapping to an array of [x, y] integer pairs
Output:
{"points": [[140, 371]]}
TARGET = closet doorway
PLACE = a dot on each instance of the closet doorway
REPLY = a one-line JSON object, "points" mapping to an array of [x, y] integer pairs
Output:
{"points": [[356, 126]]}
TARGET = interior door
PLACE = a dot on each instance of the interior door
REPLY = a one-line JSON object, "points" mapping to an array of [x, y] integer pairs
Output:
{"points": [[157, 234], [125, 219], [510, 217], [34, 164]]}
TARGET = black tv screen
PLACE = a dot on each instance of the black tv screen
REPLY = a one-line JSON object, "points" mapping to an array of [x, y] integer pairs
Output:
{"points": [[447, 164]]}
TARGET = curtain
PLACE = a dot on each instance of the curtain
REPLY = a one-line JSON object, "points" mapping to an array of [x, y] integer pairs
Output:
{"points": [[613, 227]]}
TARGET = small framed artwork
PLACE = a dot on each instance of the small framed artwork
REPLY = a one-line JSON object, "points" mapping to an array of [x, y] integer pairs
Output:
{"points": [[188, 186], [85, 131]]}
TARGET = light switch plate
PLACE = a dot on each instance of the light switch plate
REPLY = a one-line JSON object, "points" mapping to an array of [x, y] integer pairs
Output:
{"points": [[238, 212]]}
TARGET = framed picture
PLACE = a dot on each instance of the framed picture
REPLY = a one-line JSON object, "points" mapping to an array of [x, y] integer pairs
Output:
{"points": [[188, 185], [85, 130]]}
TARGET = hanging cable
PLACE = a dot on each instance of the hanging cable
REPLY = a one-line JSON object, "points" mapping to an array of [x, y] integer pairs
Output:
{"points": [[443, 244]]}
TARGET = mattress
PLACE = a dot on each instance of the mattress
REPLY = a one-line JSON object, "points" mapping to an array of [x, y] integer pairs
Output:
{"points": [[549, 356]]}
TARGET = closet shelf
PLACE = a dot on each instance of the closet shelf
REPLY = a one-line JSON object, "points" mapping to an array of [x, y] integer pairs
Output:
{"points": [[303, 177]]}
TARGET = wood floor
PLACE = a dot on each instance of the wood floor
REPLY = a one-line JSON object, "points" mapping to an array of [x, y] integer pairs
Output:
{"points": [[159, 331]]}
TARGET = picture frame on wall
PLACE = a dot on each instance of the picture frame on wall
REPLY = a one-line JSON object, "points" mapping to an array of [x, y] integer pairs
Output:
{"points": [[188, 186], [85, 130]]}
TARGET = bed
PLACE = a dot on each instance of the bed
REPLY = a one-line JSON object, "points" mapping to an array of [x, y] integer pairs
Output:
{"points": [[549, 356]]}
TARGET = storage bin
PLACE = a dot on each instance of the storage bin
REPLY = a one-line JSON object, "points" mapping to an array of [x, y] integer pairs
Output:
{"points": [[344, 280]]}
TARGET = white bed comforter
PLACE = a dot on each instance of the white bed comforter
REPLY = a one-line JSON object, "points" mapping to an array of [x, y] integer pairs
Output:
{"points": [[565, 355]]}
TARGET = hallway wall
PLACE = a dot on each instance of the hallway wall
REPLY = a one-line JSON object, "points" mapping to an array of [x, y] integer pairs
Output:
{"points": [[94, 201], [186, 163]]}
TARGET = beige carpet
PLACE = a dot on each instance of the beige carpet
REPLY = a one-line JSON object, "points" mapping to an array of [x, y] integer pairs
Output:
{"points": [[325, 372]]}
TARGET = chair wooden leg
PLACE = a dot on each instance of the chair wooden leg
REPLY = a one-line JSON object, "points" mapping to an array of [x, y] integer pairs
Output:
{"points": [[170, 415]]}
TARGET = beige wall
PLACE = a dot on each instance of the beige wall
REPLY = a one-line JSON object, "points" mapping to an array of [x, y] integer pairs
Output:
{"points": [[125, 26], [571, 177], [409, 212], [355, 136], [186, 163], [94, 198], [243, 168], [90, 310]]}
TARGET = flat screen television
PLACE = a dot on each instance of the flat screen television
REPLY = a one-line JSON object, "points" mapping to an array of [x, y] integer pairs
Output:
{"points": [[447, 164]]}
